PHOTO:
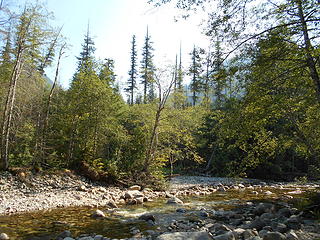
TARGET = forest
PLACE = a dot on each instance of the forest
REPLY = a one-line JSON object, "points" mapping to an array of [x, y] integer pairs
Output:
{"points": [[254, 109]]}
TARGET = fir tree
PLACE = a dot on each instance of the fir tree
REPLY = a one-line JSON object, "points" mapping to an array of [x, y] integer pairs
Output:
{"points": [[133, 71], [147, 69], [195, 72], [88, 50]]}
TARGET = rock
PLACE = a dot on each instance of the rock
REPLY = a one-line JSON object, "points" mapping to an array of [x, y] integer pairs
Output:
{"points": [[132, 202], [181, 210], [98, 237], [134, 187], [64, 234], [174, 200], [4, 236], [291, 235], [274, 236], [98, 214], [134, 231], [263, 232], [264, 208], [139, 200], [85, 238], [184, 235], [68, 238], [111, 204], [268, 193], [285, 212], [267, 216], [133, 194], [219, 228], [221, 189], [238, 232], [255, 238], [147, 217], [204, 214], [225, 236], [279, 227], [247, 234], [257, 224], [82, 188], [293, 223]]}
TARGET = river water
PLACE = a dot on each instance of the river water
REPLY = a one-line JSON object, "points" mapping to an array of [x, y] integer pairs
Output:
{"points": [[120, 222]]}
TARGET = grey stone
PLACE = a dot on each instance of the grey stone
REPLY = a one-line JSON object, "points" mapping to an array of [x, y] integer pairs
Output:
{"points": [[225, 236], [285, 212], [174, 200], [4, 236], [274, 236], [291, 235], [264, 208], [293, 223], [97, 214], [279, 227], [263, 232], [98, 237], [255, 238], [248, 234], [68, 238], [111, 204], [85, 238], [257, 224], [181, 210], [219, 228], [185, 235], [267, 216], [64, 234], [147, 217]]}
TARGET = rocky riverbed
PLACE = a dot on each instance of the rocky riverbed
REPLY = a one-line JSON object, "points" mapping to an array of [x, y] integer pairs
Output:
{"points": [[220, 208]]}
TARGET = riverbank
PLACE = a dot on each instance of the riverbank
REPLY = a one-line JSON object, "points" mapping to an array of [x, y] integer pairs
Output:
{"points": [[21, 193]]}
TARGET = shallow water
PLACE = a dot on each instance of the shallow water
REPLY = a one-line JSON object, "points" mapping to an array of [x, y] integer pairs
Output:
{"points": [[119, 222]]}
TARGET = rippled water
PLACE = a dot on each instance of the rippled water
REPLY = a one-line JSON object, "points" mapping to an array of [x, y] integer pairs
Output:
{"points": [[118, 223]]}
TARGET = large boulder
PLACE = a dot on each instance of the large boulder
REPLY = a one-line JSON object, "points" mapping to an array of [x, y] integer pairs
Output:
{"points": [[184, 235]]}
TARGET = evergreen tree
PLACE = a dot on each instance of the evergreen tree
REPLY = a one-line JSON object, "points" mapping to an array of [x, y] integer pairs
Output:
{"points": [[107, 74], [147, 69], [179, 80], [133, 71], [195, 72], [88, 50], [219, 78]]}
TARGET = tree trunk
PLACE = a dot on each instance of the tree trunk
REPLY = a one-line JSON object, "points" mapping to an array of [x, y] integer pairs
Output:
{"points": [[47, 112], [8, 112], [308, 50]]}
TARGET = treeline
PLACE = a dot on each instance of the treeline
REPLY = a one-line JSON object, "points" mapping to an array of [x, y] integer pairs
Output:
{"points": [[253, 113]]}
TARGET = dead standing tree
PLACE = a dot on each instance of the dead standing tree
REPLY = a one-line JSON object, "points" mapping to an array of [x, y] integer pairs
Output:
{"points": [[164, 94]]}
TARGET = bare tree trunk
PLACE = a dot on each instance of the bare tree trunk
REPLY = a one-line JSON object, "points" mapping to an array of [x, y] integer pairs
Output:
{"points": [[152, 148], [308, 49], [46, 119], [8, 111]]}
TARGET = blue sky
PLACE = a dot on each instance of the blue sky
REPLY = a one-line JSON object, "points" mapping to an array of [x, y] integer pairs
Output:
{"points": [[112, 24]]}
